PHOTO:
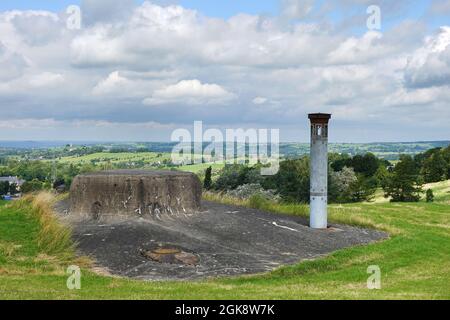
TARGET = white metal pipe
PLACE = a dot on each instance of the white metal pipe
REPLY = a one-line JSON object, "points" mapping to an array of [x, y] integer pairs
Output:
{"points": [[319, 171]]}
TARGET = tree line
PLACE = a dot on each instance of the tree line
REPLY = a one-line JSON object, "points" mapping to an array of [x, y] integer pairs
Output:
{"points": [[350, 178]]}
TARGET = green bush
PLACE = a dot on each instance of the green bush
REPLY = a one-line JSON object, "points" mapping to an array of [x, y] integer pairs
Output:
{"points": [[208, 180], [430, 195], [4, 188], [32, 186], [258, 201]]}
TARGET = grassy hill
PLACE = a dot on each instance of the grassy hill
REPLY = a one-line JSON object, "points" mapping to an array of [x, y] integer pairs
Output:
{"points": [[441, 191], [413, 261]]}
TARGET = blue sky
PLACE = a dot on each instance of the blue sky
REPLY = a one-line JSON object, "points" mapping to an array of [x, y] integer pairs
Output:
{"points": [[216, 8], [209, 7], [414, 10]]}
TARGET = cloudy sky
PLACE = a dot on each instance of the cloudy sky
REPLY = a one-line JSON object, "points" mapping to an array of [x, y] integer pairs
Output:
{"points": [[137, 70]]}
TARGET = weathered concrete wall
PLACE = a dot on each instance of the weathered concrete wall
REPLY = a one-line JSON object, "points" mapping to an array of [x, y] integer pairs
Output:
{"points": [[137, 193]]}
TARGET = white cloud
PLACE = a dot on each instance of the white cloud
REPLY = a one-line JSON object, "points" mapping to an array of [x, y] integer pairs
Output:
{"points": [[96, 130], [405, 97], [191, 92], [430, 65], [97, 47], [12, 65], [296, 9], [29, 82], [113, 84], [151, 38], [358, 50], [36, 27], [259, 100], [270, 71], [106, 11], [46, 79]]}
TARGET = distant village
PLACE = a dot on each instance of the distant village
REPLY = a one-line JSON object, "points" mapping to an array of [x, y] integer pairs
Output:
{"points": [[10, 188]]}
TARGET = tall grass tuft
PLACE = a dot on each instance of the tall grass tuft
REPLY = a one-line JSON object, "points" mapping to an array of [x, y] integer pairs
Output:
{"points": [[54, 238], [260, 203]]}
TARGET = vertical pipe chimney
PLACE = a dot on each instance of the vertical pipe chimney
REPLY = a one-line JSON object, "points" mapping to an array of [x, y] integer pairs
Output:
{"points": [[319, 170]]}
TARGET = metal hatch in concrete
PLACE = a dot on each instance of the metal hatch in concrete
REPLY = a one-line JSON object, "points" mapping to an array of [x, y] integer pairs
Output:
{"points": [[220, 240]]}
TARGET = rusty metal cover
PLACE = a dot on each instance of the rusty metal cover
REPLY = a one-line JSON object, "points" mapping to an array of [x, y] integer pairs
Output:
{"points": [[319, 117]]}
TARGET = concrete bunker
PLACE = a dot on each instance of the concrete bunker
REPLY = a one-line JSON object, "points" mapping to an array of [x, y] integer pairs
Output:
{"points": [[135, 193]]}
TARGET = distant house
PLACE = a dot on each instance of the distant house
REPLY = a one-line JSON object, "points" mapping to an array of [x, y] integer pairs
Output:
{"points": [[13, 180]]}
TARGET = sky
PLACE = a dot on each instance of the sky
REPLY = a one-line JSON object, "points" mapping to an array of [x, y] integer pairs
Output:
{"points": [[138, 70]]}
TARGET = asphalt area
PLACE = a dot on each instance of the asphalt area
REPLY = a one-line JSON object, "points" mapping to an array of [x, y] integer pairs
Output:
{"points": [[221, 240]]}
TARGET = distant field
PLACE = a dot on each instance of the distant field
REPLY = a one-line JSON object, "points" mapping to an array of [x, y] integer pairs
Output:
{"points": [[148, 160], [124, 157], [386, 150]]}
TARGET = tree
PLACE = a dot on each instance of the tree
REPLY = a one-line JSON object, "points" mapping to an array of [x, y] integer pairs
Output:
{"points": [[13, 189], [430, 195], [363, 189], [367, 164], [4, 188], [235, 175], [208, 180], [382, 176], [32, 186], [347, 186], [434, 168], [421, 157], [404, 184], [339, 161], [230, 177], [339, 184], [446, 156], [292, 180]]}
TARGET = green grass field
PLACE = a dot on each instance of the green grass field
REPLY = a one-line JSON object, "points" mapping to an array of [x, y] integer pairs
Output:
{"points": [[105, 157], [414, 261], [145, 159]]}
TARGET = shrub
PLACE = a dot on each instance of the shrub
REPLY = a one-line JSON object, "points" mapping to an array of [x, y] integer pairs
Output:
{"points": [[4, 188], [235, 175], [257, 201], [208, 180], [32, 186], [347, 186], [247, 191], [430, 195]]}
